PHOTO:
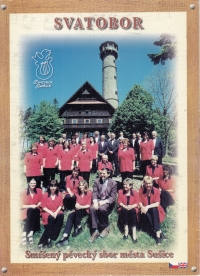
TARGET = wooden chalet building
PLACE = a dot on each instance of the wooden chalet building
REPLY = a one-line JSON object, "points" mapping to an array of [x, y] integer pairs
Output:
{"points": [[86, 111]]}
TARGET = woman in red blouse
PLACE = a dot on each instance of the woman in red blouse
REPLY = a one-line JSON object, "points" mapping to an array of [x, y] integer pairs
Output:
{"points": [[126, 157], [83, 202], [52, 215], [128, 200], [146, 151], [94, 148], [50, 162], [72, 182], [84, 161], [150, 210], [30, 211], [42, 145], [154, 170], [65, 164], [167, 187], [33, 165]]}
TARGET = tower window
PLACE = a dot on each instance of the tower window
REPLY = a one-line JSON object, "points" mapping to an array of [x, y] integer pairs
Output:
{"points": [[115, 77], [116, 93], [114, 60]]}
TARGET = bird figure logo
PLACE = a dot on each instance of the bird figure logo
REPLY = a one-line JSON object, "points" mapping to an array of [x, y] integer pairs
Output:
{"points": [[43, 61]]}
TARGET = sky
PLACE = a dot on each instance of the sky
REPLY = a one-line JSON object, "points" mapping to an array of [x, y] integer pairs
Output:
{"points": [[76, 60]]}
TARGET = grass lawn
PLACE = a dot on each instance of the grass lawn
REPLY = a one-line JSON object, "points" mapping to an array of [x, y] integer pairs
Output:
{"points": [[114, 241]]}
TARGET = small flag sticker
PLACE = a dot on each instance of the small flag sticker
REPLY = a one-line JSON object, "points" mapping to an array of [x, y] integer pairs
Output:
{"points": [[183, 265], [173, 265]]}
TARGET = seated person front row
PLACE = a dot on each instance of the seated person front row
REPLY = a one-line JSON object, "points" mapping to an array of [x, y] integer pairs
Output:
{"points": [[98, 204]]}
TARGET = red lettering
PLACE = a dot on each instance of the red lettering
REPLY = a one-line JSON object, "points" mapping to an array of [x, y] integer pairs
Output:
{"points": [[128, 23], [78, 24], [89, 22], [113, 23], [69, 24], [99, 23], [137, 21], [58, 25]]}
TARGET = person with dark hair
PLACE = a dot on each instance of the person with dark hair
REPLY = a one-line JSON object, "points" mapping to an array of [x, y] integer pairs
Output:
{"points": [[154, 170], [137, 150], [65, 164], [42, 145], [33, 165], [146, 151], [113, 145], [84, 161], [83, 202], [128, 200], [93, 146], [30, 211], [151, 212], [52, 215], [103, 199], [126, 157], [72, 182], [50, 162], [167, 188], [74, 150]]}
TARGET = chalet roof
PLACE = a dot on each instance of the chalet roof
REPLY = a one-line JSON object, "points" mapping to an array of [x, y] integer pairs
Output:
{"points": [[86, 94]]}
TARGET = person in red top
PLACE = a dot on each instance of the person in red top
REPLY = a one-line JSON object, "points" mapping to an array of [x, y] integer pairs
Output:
{"points": [[74, 149], [52, 215], [33, 165], [42, 145], [65, 164], [84, 161], [50, 162], [128, 200], [85, 139], [154, 170], [30, 211], [120, 143], [126, 157], [93, 146], [72, 182], [83, 202], [146, 151], [59, 146], [167, 187], [105, 164], [150, 209]]}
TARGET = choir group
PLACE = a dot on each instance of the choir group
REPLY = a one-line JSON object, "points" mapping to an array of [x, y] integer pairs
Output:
{"points": [[73, 161]]}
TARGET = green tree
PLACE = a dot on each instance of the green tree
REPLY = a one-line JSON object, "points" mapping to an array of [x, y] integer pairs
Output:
{"points": [[168, 49], [136, 113], [24, 116], [44, 120]]}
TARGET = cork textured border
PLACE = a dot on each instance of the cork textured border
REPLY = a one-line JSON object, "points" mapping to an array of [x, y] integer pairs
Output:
{"points": [[44, 6]]}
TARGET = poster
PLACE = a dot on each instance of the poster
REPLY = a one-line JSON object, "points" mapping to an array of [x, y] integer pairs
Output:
{"points": [[77, 40]]}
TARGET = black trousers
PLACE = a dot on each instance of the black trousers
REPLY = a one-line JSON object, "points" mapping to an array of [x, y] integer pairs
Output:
{"points": [[49, 174], [128, 217], [94, 166], [63, 174], [74, 219], [37, 179], [86, 176], [143, 166], [166, 199], [125, 175], [69, 202], [32, 222], [99, 218], [152, 217], [159, 160], [52, 229], [114, 158]]}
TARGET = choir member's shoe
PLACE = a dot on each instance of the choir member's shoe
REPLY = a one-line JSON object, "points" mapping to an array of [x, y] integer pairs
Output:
{"points": [[158, 241], [77, 232], [94, 236], [41, 246], [49, 243], [163, 236], [134, 241], [30, 240], [125, 237], [104, 233], [24, 240], [62, 242]]}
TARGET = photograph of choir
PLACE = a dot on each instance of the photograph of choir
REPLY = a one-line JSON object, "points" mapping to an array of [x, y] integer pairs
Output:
{"points": [[93, 177]]}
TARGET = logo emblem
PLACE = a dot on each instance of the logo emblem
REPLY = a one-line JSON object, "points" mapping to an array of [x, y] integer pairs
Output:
{"points": [[43, 61]]}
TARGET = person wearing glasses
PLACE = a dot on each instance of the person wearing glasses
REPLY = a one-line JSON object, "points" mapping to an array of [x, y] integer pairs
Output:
{"points": [[72, 182], [83, 203], [30, 211], [52, 215]]}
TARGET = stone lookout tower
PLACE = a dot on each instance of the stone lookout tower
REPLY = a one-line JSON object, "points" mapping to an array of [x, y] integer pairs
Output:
{"points": [[109, 54]]}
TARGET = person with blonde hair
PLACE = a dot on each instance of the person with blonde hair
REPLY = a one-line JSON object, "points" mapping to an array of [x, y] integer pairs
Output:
{"points": [[154, 170]]}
